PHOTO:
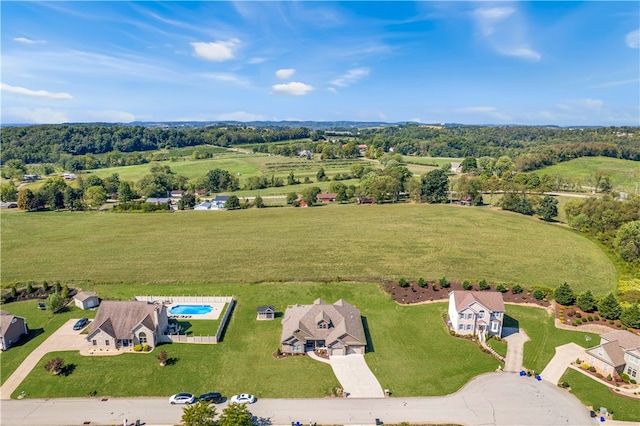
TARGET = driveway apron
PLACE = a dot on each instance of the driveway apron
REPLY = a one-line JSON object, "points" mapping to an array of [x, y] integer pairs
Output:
{"points": [[515, 351], [356, 378]]}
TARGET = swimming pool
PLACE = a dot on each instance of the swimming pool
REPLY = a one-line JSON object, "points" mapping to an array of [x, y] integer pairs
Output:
{"points": [[190, 310]]}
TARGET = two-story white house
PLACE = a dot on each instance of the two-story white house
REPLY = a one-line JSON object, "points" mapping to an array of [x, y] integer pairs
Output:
{"points": [[476, 312], [617, 353]]}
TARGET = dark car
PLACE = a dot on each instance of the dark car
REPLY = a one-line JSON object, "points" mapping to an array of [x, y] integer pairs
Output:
{"points": [[213, 397], [81, 323]]}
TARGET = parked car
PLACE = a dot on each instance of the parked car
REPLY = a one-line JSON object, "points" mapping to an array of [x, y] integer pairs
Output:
{"points": [[182, 398], [213, 397], [81, 323], [243, 398]]}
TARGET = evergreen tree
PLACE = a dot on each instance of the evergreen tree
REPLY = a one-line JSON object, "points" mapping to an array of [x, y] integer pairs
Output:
{"points": [[631, 316], [609, 307], [587, 302], [564, 295]]}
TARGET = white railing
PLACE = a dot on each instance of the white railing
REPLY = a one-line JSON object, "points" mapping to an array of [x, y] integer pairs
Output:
{"points": [[184, 299]]}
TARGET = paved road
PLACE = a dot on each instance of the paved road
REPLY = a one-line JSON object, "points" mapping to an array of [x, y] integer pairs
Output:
{"points": [[491, 399], [515, 351], [356, 378], [64, 338], [565, 354]]}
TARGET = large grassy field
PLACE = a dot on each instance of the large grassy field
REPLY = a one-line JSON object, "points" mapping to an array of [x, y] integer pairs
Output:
{"points": [[410, 350], [625, 174], [333, 242]]}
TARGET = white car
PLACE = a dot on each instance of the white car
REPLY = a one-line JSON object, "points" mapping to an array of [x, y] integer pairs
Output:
{"points": [[243, 398], [182, 398]]}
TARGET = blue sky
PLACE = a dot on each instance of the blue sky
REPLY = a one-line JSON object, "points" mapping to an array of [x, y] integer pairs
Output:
{"points": [[561, 63]]}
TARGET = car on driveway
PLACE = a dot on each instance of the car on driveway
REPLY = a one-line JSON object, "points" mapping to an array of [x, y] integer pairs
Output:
{"points": [[213, 397], [182, 398], [243, 398], [81, 323]]}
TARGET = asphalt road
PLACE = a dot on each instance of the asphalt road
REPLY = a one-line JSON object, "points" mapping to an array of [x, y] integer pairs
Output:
{"points": [[491, 399]]}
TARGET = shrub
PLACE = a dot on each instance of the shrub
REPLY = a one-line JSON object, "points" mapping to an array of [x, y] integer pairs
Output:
{"points": [[58, 287], [584, 320], [592, 369], [403, 283], [571, 312], [625, 377], [590, 318], [633, 381], [466, 285], [517, 289], [596, 318], [563, 385], [137, 348], [482, 285], [434, 286], [29, 287], [585, 366], [618, 325], [609, 378], [54, 365], [444, 283], [163, 358], [610, 321], [45, 286], [501, 288], [599, 376], [538, 294], [578, 315], [422, 283], [575, 323], [146, 348]]}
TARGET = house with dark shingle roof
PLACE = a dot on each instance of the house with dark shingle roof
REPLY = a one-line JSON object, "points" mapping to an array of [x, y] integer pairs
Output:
{"points": [[121, 325], [476, 312], [12, 328], [617, 353], [337, 328]]}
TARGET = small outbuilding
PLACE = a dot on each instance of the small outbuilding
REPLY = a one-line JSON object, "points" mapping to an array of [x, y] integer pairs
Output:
{"points": [[86, 300], [266, 313]]}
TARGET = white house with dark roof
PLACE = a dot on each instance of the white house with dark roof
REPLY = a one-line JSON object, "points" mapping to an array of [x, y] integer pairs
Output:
{"points": [[121, 325], [617, 353], [12, 328], [337, 328], [476, 312]]}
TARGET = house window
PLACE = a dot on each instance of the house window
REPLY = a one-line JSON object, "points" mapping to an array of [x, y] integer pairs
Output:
{"points": [[481, 314], [633, 360], [605, 367], [469, 316], [95, 342], [106, 343], [297, 348], [461, 316], [591, 360], [143, 338], [632, 372], [322, 325], [494, 327], [461, 327], [468, 326]]}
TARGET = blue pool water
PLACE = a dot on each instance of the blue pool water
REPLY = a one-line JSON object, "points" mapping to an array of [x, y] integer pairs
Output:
{"points": [[190, 309]]}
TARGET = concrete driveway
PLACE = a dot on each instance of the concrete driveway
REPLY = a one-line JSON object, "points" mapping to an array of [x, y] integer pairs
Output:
{"points": [[356, 378], [63, 339], [491, 399], [515, 350], [565, 354]]}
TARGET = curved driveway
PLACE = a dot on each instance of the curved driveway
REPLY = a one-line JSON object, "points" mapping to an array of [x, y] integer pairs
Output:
{"points": [[491, 399]]}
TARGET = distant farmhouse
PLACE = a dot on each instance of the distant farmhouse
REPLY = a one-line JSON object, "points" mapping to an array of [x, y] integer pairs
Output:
{"points": [[337, 328]]}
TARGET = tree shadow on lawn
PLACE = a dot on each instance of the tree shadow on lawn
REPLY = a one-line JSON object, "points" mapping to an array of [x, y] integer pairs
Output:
{"points": [[367, 335], [67, 369]]}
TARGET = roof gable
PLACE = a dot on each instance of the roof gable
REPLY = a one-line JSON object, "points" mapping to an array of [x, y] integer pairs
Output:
{"points": [[491, 300], [119, 319]]}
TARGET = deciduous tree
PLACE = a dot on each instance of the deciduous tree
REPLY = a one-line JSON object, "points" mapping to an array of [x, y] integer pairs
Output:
{"points": [[627, 241], [435, 186], [199, 414], [232, 203], [548, 208], [54, 302], [235, 415], [8, 192]]}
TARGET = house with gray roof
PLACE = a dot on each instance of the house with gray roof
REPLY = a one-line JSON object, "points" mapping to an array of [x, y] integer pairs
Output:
{"points": [[476, 312], [617, 353], [119, 325], [337, 328], [12, 328]]}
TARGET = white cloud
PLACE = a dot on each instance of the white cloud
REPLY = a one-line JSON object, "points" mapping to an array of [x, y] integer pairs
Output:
{"points": [[488, 18], [291, 89], [332, 90], [633, 39], [241, 116], [34, 93], [33, 115], [581, 104], [351, 77], [28, 41], [257, 60], [285, 73], [226, 77], [216, 50], [110, 116], [521, 52]]}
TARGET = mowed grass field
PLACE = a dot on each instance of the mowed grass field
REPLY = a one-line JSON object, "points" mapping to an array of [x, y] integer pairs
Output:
{"points": [[625, 174], [325, 243]]}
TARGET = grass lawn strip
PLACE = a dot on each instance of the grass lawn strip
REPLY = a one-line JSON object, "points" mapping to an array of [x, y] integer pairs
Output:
{"points": [[592, 393], [417, 242]]}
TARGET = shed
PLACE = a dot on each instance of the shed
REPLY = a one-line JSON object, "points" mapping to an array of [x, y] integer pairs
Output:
{"points": [[266, 313], [86, 300]]}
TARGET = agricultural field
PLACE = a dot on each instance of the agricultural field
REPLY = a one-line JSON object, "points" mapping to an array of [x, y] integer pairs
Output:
{"points": [[625, 174], [368, 243]]}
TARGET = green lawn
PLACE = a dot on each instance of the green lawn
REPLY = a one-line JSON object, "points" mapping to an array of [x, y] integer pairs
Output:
{"points": [[592, 393], [500, 346], [625, 174], [540, 327], [411, 350], [41, 324], [326, 243]]}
